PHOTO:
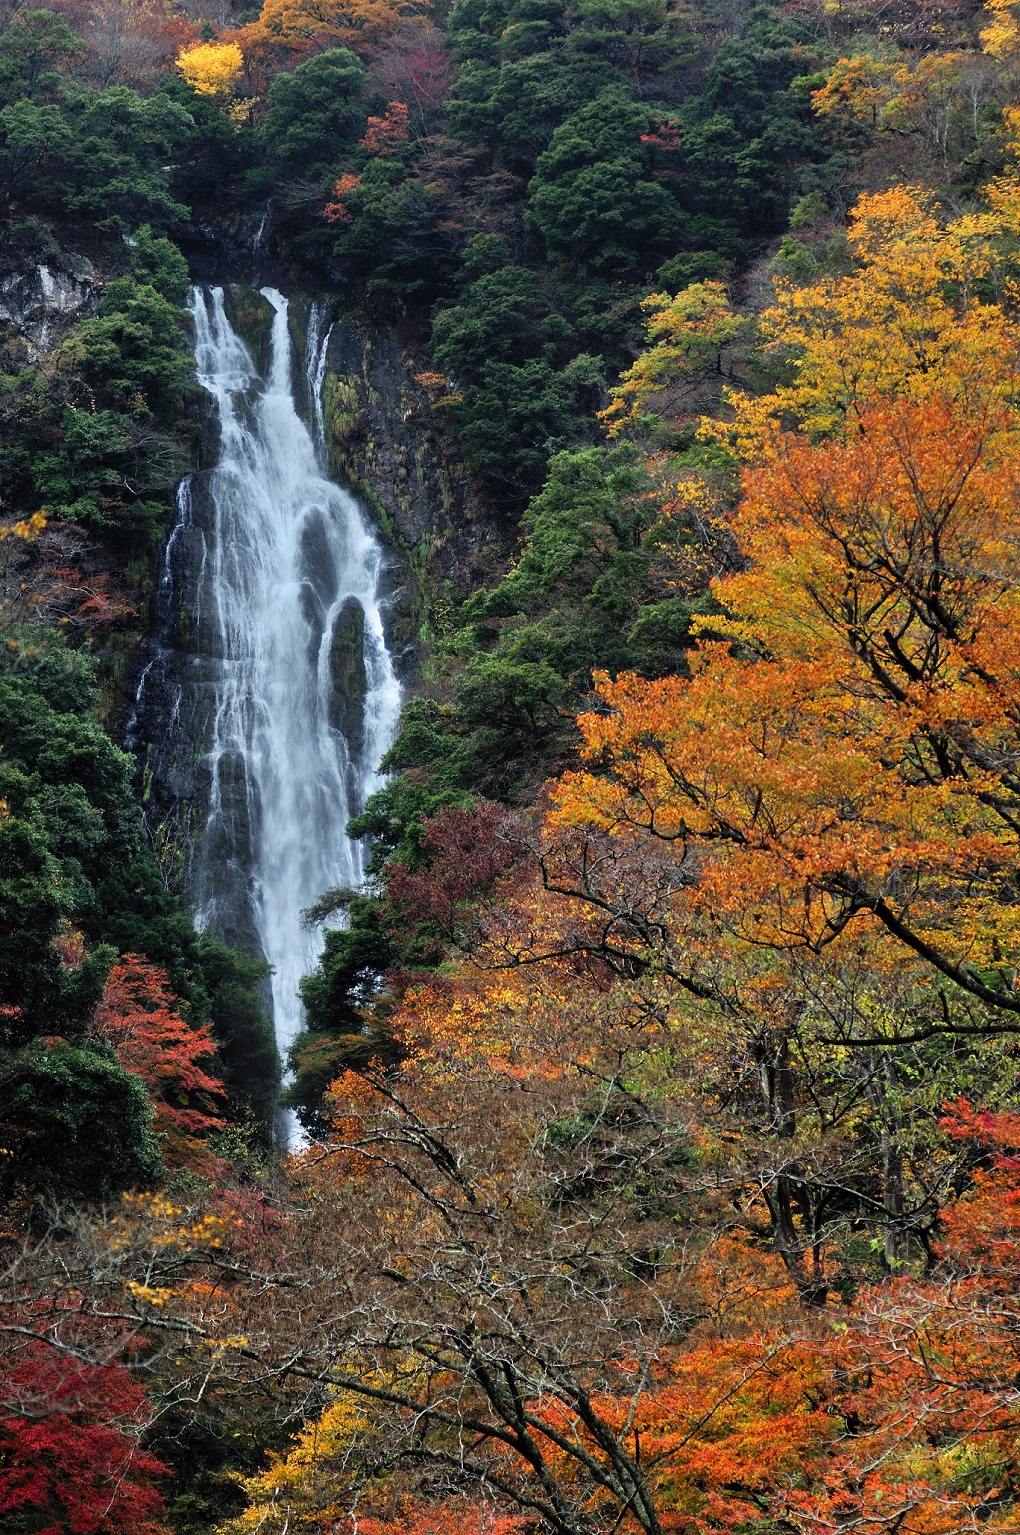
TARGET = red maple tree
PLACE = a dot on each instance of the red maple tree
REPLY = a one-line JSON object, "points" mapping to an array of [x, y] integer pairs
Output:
{"points": [[70, 1461], [138, 1014]]}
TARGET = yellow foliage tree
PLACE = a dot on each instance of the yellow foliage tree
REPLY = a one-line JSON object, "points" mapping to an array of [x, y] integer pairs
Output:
{"points": [[929, 98], [862, 87], [305, 1488], [687, 337], [212, 69], [28, 529], [1001, 37], [289, 30], [915, 320]]}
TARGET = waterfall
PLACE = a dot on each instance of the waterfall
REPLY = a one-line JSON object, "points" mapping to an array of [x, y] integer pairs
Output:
{"points": [[316, 352], [290, 670]]}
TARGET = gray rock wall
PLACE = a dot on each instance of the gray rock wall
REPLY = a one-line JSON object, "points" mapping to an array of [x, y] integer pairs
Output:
{"points": [[385, 440], [40, 301]]}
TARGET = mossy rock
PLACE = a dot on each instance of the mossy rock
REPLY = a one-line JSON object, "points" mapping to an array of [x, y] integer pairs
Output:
{"points": [[252, 316], [347, 671], [342, 413], [298, 311]]}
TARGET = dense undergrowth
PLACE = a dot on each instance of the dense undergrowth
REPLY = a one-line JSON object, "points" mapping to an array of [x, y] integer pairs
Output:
{"points": [[663, 1078]]}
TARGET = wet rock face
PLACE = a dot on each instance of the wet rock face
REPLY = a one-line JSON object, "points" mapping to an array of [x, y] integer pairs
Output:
{"points": [[347, 673], [171, 726], [383, 438], [251, 315], [41, 301]]}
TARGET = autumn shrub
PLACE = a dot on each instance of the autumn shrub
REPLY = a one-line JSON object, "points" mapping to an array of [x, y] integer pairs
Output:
{"points": [[70, 1459]]}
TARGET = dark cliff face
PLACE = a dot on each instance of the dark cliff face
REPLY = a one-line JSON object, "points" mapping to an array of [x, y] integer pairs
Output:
{"points": [[169, 729], [384, 440], [385, 443]]}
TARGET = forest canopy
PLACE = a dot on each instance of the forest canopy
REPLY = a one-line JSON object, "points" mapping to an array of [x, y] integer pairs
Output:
{"points": [[659, 1085]]}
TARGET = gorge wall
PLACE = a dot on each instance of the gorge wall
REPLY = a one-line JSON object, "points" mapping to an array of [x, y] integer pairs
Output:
{"points": [[211, 778]]}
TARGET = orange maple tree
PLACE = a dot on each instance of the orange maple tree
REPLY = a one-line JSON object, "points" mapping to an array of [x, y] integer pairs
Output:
{"points": [[924, 1401], [852, 756], [385, 133], [841, 765], [339, 211], [288, 31]]}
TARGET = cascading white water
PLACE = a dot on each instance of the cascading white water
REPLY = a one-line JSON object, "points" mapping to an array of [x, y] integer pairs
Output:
{"points": [[291, 573], [316, 352]]}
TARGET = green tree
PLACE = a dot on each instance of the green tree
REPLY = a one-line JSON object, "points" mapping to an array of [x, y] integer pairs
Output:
{"points": [[74, 858], [508, 351], [35, 143], [592, 200], [399, 239], [338, 998], [34, 49], [746, 132], [33, 905], [247, 1060], [583, 538], [157, 263], [314, 113], [517, 107], [76, 1125], [116, 165], [644, 39], [132, 354]]}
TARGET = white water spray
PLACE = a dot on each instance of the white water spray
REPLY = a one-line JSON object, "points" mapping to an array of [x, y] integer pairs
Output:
{"points": [[292, 571]]}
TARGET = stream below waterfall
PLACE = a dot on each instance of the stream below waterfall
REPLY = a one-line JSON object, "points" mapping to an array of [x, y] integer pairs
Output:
{"points": [[272, 679]]}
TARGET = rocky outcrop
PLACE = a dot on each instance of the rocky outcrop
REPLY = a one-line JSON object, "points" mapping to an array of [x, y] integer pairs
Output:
{"points": [[384, 438], [251, 315], [40, 301], [348, 675]]}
